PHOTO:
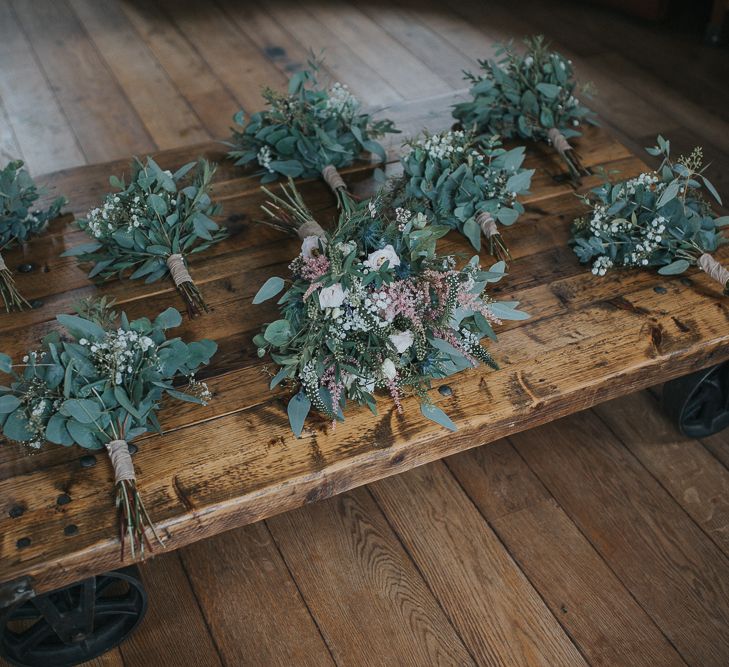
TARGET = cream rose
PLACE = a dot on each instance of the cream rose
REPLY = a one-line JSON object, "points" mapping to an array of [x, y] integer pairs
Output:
{"points": [[310, 246], [377, 258], [402, 340], [331, 297]]}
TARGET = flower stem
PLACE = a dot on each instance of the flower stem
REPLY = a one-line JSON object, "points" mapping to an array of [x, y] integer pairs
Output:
{"points": [[13, 299]]}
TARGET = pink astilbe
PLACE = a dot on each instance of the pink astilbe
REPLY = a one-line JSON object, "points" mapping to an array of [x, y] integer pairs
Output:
{"points": [[407, 299], [314, 267], [395, 394], [329, 380], [310, 290], [473, 302]]}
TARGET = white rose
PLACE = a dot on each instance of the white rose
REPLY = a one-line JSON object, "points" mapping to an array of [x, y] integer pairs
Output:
{"points": [[377, 258], [331, 297], [402, 340], [388, 369], [310, 246]]}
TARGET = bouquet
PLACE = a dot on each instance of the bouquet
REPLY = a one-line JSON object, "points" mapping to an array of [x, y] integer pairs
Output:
{"points": [[531, 96], [99, 387], [465, 182], [18, 222], [660, 218], [373, 306], [311, 131], [151, 225]]}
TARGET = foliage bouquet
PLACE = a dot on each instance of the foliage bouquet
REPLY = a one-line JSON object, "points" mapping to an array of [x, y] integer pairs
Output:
{"points": [[465, 182], [151, 225], [311, 131], [99, 387], [531, 96], [18, 222], [372, 306], [658, 219]]}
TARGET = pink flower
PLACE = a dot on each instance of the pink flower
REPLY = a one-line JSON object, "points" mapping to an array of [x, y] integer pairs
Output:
{"points": [[314, 267]]}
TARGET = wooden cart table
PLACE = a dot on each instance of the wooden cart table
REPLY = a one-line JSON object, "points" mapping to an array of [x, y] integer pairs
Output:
{"points": [[236, 461]]}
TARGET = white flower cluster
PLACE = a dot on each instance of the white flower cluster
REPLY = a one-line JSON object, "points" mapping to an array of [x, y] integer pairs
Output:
{"points": [[442, 145], [341, 102], [264, 158], [651, 237], [118, 353], [115, 214], [601, 265], [646, 180]]}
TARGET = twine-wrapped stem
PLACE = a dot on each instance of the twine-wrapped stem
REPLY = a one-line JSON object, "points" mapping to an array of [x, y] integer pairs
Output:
{"points": [[133, 517], [337, 185], [714, 270], [310, 228], [568, 154], [497, 247], [12, 299], [185, 285]]}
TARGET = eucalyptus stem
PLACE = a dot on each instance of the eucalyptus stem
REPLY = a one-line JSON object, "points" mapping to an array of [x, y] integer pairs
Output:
{"points": [[12, 298]]}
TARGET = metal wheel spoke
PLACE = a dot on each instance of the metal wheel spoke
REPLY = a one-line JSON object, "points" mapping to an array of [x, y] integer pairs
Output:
{"points": [[34, 636]]}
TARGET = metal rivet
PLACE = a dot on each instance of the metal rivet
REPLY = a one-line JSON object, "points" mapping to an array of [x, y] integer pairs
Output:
{"points": [[16, 511], [133, 449], [26, 267], [87, 461], [36, 303], [23, 542], [63, 499], [445, 390], [659, 289], [70, 530]]}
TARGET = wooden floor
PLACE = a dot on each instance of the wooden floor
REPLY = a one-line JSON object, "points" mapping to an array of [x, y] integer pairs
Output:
{"points": [[602, 538]]}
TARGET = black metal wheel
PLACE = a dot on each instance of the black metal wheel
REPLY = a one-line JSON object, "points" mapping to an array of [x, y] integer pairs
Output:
{"points": [[699, 403], [74, 624]]}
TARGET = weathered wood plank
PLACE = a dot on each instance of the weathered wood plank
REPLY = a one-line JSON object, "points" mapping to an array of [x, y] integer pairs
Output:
{"points": [[597, 612], [489, 600], [630, 520], [368, 599]]}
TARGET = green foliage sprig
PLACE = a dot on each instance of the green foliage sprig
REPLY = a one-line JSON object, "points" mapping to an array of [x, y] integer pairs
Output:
{"points": [[310, 131], [466, 182], [19, 221], [373, 306], [99, 385], [149, 227], [660, 218], [530, 95]]}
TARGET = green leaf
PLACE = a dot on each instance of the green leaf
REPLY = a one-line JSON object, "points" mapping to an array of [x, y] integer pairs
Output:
{"points": [[79, 325], [121, 395], [506, 310], [437, 415], [181, 396], [674, 268], [472, 232], [82, 249], [549, 90], [157, 204], [278, 333], [8, 403], [56, 430], [83, 410], [292, 168], [668, 194], [16, 427], [6, 363], [297, 409], [269, 289], [82, 435], [520, 181], [168, 319]]}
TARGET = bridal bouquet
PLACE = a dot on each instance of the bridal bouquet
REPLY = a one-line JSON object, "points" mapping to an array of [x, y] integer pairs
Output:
{"points": [[373, 306], [660, 218], [151, 225], [309, 132], [18, 222], [465, 182], [531, 96], [99, 387]]}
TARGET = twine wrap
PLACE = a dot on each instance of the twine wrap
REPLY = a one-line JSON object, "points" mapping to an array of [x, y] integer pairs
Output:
{"points": [[487, 224], [558, 140], [178, 270], [121, 460], [713, 269], [311, 228], [3, 265], [333, 179]]}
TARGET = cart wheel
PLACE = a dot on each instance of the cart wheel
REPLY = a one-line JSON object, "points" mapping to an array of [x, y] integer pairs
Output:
{"points": [[699, 403], [74, 624]]}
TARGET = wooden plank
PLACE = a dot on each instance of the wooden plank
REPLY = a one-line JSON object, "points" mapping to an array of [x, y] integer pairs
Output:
{"points": [[342, 63], [630, 520], [165, 113], [695, 479], [489, 600], [208, 96], [252, 605], [230, 55], [594, 608], [102, 118], [34, 126], [369, 600]]}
